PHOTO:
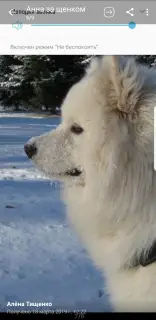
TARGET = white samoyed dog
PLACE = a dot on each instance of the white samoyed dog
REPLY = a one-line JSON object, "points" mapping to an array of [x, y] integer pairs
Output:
{"points": [[103, 150]]}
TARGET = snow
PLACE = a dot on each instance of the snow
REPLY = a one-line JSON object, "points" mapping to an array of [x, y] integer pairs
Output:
{"points": [[41, 258]]}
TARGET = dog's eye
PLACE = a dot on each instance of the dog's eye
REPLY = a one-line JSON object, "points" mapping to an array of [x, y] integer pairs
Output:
{"points": [[75, 128]]}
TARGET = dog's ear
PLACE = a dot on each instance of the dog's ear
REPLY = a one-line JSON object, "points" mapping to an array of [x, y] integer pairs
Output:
{"points": [[125, 83]]}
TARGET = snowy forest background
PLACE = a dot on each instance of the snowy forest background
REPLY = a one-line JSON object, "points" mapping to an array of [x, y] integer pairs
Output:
{"points": [[35, 83]]}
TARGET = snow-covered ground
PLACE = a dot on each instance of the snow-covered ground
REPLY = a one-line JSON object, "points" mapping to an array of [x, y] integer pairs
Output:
{"points": [[41, 259]]}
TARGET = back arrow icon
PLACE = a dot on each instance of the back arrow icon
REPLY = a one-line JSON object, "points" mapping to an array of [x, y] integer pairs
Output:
{"points": [[11, 12]]}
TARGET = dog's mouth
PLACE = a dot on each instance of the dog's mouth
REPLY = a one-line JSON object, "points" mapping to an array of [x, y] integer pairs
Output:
{"points": [[76, 172]]}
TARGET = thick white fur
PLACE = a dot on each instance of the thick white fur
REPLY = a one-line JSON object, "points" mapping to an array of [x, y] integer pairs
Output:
{"points": [[112, 205]]}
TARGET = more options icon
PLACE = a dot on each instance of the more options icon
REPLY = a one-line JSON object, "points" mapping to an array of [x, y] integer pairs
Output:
{"points": [[109, 12]]}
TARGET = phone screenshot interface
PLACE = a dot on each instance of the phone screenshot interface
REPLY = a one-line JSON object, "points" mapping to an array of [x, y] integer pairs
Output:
{"points": [[77, 156]]}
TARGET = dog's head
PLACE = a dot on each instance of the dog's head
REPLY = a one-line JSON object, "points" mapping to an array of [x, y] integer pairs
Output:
{"points": [[107, 124]]}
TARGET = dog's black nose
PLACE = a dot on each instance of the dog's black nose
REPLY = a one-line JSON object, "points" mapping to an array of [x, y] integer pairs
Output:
{"points": [[30, 150]]}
